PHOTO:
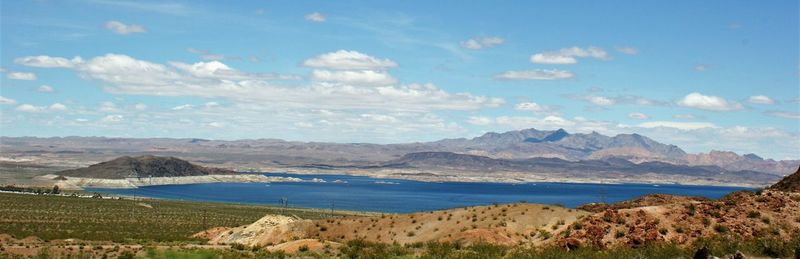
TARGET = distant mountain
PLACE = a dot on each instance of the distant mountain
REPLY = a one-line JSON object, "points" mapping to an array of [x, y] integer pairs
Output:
{"points": [[789, 183], [275, 153], [143, 166], [589, 169]]}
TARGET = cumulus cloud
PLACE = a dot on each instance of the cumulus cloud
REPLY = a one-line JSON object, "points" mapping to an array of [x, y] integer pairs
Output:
{"points": [[315, 17], [7, 101], [569, 55], [45, 89], [57, 107], [32, 108], [784, 114], [124, 29], [349, 60], [760, 99], [708, 102], [536, 108], [358, 77], [536, 74], [48, 62], [638, 116], [123, 74], [21, 76], [628, 50], [482, 42]]}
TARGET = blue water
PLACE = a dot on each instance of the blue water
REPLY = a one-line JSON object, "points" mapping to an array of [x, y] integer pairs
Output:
{"points": [[391, 195]]}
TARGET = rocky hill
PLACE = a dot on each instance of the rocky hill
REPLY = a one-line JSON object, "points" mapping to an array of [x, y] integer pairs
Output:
{"points": [[143, 166], [789, 183]]}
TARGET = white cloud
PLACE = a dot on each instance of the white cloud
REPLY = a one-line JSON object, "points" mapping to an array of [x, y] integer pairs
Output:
{"points": [[479, 120], [209, 105], [708, 102], [537, 74], [45, 89], [112, 118], [140, 107], [21, 76], [569, 55], [218, 70], [760, 99], [536, 108], [600, 100], [121, 74], [29, 108], [677, 125], [57, 107], [638, 116], [482, 42], [48, 62], [216, 124], [124, 29], [315, 17], [349, 60], [7, 101], [784, 114], [357, 77], [183, 107], [628, 50]]}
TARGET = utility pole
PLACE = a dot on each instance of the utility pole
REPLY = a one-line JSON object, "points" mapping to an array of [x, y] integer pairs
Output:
{"points": [[332, 206]]}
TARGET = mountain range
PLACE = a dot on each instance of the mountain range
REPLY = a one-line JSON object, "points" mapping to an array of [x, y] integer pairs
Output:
{"points": [[518, 151]]}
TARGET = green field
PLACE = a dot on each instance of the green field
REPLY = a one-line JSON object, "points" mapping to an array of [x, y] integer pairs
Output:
{"points": [[57, 217]]}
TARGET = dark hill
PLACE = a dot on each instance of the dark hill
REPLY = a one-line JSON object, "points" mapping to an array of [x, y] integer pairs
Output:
{"points": [[789, 183], [143, 166]]}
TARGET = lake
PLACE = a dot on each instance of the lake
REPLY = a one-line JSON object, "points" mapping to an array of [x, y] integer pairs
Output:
{"points": [[344, 192]]}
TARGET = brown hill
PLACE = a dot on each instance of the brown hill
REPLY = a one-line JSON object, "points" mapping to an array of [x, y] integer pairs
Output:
{"points": [[507, 224], [143, 166], [644, 201], [741, 214], [790, 183]]}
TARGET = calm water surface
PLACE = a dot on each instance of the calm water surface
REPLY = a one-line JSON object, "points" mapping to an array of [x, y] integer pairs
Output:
{"points": [[391, 195]]}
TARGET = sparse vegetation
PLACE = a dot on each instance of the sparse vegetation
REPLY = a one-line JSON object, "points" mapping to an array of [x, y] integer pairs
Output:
{"points": [[57, 217]]}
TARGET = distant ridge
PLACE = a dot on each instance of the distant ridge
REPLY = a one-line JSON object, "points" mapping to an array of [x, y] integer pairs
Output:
{"points": [[143, 166]]}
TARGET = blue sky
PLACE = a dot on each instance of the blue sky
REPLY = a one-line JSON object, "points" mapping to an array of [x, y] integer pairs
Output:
{"points": [[710, 75]]}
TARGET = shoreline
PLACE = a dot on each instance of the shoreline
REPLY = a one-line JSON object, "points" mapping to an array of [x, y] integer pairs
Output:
{"points": [[79, 183]]}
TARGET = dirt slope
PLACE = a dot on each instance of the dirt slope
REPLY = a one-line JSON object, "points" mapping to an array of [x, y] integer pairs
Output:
{"points": [[789, 183], [500, 224]]}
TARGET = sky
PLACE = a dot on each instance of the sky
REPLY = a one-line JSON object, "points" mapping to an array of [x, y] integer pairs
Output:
{"points": [[703, 75]]}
